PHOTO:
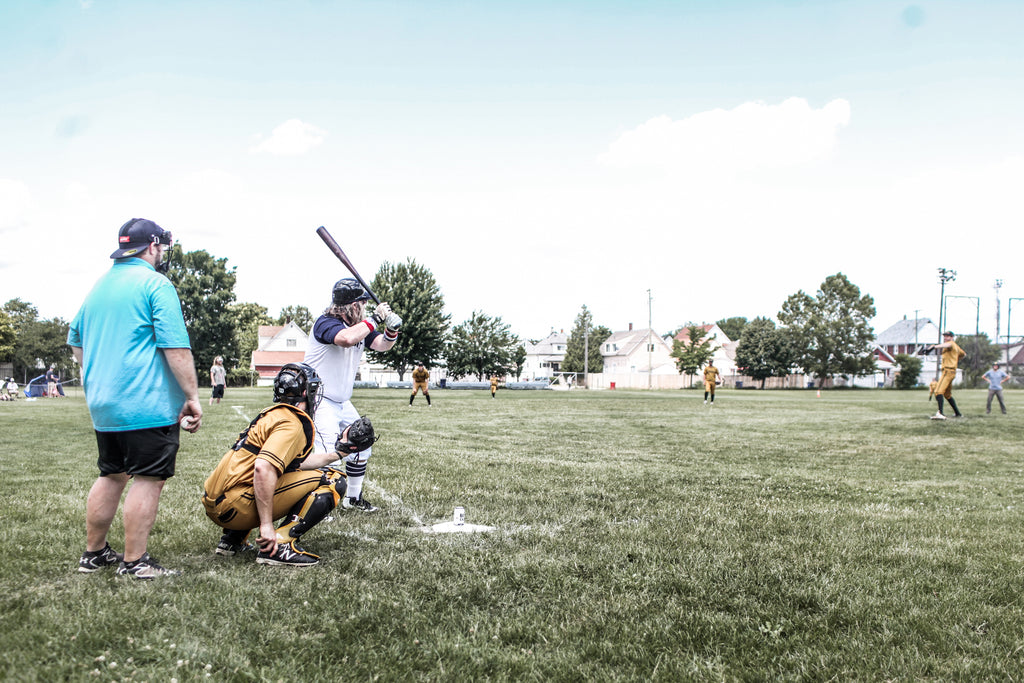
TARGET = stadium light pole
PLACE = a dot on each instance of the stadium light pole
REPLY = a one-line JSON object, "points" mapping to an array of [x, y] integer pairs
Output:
{"points": [[1009, 339], [977, 305], [945, 275], [586, 352], [997, 286]]}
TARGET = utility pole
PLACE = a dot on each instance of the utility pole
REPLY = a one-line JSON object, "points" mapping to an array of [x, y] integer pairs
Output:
{"points": [[650, 345], [945, 275]]}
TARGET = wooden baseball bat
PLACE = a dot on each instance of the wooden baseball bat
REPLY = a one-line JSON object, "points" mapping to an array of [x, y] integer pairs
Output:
{"points": [[339, 252]]}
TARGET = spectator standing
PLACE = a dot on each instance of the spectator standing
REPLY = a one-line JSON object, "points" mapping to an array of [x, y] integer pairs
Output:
{"points": [[218, 377], [139, 376]]}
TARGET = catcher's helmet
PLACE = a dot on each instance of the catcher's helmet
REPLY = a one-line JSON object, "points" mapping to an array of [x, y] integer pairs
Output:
{"points": [[360, 437], [347, 291], [297, 382]]}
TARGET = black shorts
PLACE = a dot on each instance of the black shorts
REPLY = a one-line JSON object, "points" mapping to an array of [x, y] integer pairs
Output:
{"points": [[144, 452], [218, 391]]}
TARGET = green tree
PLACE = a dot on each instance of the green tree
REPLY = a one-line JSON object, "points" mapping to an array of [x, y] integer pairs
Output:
{"points": [[299, 315], [40, 343], [733, 327], [413, 293], [763, 351], [7, 336], [694, 353], [910, 370], [37, 343], [831, 333], [519, 359], [981, 354], [246, 319], [481, 346], [574, 347], [206, 288]]}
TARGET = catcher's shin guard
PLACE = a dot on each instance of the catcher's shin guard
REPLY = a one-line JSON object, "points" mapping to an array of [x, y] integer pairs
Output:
{"points": [[317, 504]]}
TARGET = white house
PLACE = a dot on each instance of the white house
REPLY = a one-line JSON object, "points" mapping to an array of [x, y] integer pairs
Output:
{"points": [[544, 358], [277, 346], [724, 356], [637, 351]]}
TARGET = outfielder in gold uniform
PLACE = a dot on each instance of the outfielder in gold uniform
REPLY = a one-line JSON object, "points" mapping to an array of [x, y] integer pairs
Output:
{"points": [[710, 380], [951, 355], [494, 385], [271, 472], [420, 375]]}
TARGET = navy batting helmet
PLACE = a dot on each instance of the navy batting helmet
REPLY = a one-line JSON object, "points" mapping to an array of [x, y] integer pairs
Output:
{"points": [[347, 291], [297, 382]]}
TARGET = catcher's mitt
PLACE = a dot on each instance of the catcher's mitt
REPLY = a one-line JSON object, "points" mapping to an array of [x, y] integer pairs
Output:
{"points": [[360, 437]]}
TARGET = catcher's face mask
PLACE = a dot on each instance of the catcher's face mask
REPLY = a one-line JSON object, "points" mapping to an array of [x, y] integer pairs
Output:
{"points": [[357, 437]]}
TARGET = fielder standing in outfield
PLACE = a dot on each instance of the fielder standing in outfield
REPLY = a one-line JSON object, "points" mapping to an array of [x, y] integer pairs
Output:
{"points": [[494, 385], [130, 340], [420, 376], [951, 355], [710, 381], [995, 378], [271, 472], [335, 348]]}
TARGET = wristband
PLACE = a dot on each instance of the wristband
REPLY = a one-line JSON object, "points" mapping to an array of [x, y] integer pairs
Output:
{"points": [[388, 334], [369, 324]]}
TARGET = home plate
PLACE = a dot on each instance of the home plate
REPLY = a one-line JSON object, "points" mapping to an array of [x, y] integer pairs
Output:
{"points": [[453, 528]]}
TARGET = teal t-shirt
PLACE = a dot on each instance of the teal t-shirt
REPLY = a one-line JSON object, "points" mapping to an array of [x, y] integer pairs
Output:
{"points": [[131, 312]]}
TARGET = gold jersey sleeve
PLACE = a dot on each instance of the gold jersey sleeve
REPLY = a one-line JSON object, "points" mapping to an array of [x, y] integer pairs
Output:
{"points": [[282, 435], [951, 356]]}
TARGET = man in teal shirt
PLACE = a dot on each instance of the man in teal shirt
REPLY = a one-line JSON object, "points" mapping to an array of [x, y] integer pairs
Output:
{"points": [[129, 337]]}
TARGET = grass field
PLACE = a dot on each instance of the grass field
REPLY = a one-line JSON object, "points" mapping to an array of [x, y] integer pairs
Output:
{"points": [[639, 536]]}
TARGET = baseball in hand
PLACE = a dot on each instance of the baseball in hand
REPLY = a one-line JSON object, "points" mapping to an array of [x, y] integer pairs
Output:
{"points": [[187, 422]]}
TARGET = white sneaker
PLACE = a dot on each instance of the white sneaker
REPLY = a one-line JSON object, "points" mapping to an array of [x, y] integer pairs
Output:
{"points": [[705, 402], [938, 416]]}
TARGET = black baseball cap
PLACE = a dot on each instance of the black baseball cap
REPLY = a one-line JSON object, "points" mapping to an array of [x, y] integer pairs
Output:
{"points": [[137, 234], [948, 334]]}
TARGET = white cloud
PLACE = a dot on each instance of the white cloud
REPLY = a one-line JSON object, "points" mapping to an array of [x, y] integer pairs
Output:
{"points": [[291, 138], [751, 136]]}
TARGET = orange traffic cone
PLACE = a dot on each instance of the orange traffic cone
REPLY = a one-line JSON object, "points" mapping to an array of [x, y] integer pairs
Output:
{"points": [[819, 393]]}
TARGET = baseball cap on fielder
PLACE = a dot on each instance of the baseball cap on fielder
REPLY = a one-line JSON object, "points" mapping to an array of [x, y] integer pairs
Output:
{"points": [[948, 334], [137, 234]]}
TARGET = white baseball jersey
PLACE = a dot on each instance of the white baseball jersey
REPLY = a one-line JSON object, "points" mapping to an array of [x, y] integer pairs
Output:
{"points": [[336, 365]]}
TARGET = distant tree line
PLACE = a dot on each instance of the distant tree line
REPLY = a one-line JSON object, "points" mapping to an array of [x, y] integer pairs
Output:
{"points": [[825, 335]]}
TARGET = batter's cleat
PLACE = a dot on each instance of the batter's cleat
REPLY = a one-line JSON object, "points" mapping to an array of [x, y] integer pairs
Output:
{"points": [[232, 543], [144, 568], [359, 503], [98, 559], [938, 416], [288, 555]]}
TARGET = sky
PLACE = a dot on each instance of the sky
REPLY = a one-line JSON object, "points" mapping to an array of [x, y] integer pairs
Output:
{"points": [[663, 161]]}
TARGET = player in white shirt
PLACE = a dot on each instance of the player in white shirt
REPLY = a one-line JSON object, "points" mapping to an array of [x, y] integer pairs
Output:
{"points": [[336, 345]]}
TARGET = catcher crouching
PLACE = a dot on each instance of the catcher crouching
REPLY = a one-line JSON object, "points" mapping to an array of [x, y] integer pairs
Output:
{"points": [[271, 473]]}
